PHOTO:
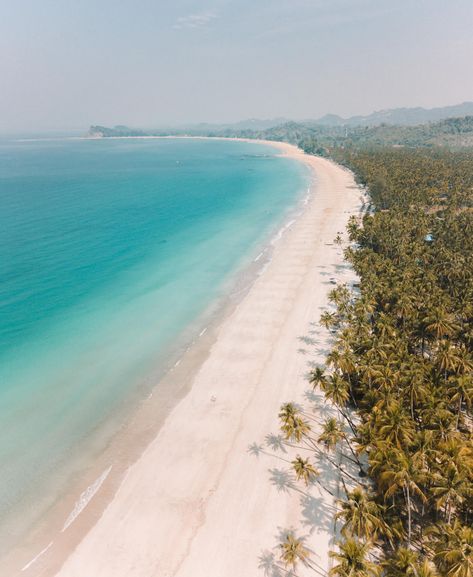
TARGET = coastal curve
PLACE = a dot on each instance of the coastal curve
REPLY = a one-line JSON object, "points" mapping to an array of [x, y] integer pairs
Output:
{"points": [[207, 498]]}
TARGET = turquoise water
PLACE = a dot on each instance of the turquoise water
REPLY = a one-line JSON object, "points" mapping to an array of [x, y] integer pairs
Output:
{"points": [[109, 249]]}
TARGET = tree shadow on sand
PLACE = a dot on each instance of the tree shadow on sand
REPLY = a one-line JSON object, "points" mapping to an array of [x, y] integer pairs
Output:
{"points": [[319, 405], [317, 515], [282, 480], [273, 566], [307, 340], [270, 565], [275, 442], [342, 267], [255, 449], [328, 476], [323, 352]]}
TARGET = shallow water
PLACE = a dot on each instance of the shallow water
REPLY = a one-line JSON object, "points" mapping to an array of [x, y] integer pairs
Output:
{"points": [[109, 250]]}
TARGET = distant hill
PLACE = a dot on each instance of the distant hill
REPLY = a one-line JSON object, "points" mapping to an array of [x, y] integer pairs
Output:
{"points": [[252, 124], [249, 124], [392, 117], [315, 138], [97, 131], [400, 116], [389, 128], [449, 132]]}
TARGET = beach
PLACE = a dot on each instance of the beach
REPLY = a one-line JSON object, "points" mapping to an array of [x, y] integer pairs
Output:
{"points": [[210, 496]]}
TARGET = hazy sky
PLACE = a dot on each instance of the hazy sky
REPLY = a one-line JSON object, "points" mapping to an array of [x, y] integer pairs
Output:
{"points": [[71, 63]]}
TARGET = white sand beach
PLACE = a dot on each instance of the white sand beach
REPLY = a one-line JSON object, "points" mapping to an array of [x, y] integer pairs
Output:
{"points": [[212, 494]]}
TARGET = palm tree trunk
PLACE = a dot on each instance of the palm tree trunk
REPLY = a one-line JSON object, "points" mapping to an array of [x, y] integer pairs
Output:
{"points": [[449, 514], [409, 519], [348, 420], [332, 461], [459, 410], [358, 462]]}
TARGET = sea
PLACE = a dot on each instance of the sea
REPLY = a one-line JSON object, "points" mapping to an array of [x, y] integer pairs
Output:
{"points": [[113, 255]]}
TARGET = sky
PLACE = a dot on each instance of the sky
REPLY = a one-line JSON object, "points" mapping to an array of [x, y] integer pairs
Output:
{"points": [[66, 64]]}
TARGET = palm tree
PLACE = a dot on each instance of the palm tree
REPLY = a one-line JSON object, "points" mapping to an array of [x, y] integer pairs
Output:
{"points": [[402, 364], [346, 361], [426, 569], [453, 550], [328, 320], [449, 487], [336, 389], [464, 363], [396, 426], [448, 358], [331, 434], [317, 377], [304, 470], [439, 323], [416, 386], [287, 412], [352, 228], [353, 561], [401, 474], [403, 563], [461, 391], [293, 551], [340, 296], [362, 516], [405, 308], [294, 427], [369, 367]]}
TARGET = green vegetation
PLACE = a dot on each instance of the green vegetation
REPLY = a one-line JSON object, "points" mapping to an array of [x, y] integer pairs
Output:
{"points": [[319, 138], [401, 369], [117, 131]]}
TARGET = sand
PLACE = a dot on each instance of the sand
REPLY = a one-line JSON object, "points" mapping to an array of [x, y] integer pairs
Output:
{"points": [[212, 495]]}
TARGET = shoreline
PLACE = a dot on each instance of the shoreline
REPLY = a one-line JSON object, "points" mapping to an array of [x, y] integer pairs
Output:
{"points": [[119, 441], [110, 493]]}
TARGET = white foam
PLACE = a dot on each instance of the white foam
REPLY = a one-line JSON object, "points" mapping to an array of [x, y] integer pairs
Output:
{"points": [[85, 498], [28, 565], [281, 231]]}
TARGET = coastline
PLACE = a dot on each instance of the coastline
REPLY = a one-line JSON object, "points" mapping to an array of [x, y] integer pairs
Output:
{"points": [[255, 345]]}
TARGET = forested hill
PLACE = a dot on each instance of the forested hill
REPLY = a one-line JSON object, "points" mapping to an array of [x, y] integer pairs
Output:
{"points": [[452, 132], [413, 116]]}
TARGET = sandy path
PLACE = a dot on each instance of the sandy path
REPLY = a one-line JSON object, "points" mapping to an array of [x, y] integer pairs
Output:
{"points": [[209, 496]]}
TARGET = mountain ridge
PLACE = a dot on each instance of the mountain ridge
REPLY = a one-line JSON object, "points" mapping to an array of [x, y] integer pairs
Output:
{"points": [[400, 116], [393, 116]]}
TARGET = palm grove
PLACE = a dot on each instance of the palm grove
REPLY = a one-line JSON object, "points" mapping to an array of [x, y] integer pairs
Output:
{"points": [[400, 373]]}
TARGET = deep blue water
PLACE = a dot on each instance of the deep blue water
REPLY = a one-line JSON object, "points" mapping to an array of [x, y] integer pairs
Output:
{"points": [[109, 249]]}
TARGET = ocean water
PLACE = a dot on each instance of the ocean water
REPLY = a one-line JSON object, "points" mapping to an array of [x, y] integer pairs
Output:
{"points": [[109, 251]]}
